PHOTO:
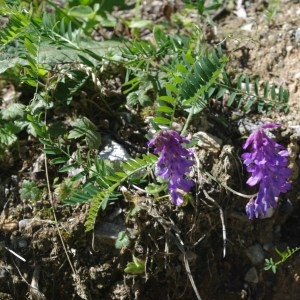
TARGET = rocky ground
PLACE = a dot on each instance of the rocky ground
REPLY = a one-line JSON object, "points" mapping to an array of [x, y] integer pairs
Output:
{"points": [[182, 247]]}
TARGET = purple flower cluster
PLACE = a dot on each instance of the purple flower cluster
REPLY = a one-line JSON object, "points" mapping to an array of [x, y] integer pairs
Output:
{"points": [[173, 162], [268, 163]]}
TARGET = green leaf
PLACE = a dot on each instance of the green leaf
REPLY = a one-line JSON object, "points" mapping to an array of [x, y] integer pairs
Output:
{"points": [[150, 158], [85, 128], [171, 88], [113, 178], [121, 174], [162, 120], [13, 111], [68, 168], [168, 99], [81, 11], [221, 93], [249, 102], [127, 167], [266, 89], [86, 61], [165, 109], [123, 240], [8, 132], [256, 87], [51, 150], [29, 191], [134, 163], [140, 23], [140, 161], [273, 92], [136, 267], [181, 68], [154, 189], [97, 202], [159, 36], [59, 160], [77, 197], [144, 100]]}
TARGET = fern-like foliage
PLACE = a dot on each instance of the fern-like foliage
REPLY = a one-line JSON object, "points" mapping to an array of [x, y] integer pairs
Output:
{"points": [[114, 180], [195, 80], [18, 23], [245, 94], [18, 40], [191, 84], [40, 42], [189, 77], [284, 255], [101, 180], [147, 64]]}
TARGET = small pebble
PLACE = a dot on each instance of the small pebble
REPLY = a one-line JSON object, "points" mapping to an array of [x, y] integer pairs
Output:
{"points": [[23, 223], [297, 35], [256, 254], [22, 243], [208, 141], [267, 246], [252, 276]]}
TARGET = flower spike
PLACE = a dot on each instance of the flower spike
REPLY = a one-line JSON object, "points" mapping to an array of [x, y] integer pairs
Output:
{"points": [[268, 163], [173, 162]]}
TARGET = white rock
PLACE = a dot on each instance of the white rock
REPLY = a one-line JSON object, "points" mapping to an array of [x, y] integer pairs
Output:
{"points": [[208, 141], [114, 152]]}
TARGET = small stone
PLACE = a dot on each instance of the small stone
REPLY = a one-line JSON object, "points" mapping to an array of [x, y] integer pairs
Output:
{"points": [[246, 126], [297, 75], [289, 48], [23, 223], [297, 35], [107, 233], [252, 276], [3, 274], [296, 130], [114, 152], [256, 254], [9, 227], [22, 243], [208, 141], [268, 246], [269, 212]]}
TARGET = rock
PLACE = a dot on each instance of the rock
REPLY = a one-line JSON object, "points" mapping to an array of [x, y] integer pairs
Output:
{"points": [[296, 130], [247, 126], [23, 223], [297, 75], [256, 254], [269, 212], [268, 246], [107, 233], [297, 35], [22, 243], [252, 276], [208, 141], [114, 152], [3, 274]]}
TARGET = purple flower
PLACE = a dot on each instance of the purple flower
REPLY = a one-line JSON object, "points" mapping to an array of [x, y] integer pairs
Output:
{"points": [[268, 163], [173, 162]]}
